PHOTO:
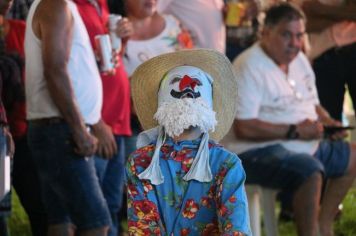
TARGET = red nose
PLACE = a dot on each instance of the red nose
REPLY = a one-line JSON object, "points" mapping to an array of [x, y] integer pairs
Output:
{"points": [[187, 82]]}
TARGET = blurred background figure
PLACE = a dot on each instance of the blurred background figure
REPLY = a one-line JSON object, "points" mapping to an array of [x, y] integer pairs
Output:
{"points": [[331, 26], [203, 18], [115, 121], [153, 33], [241, 19], [24, 176], [19, 9]]}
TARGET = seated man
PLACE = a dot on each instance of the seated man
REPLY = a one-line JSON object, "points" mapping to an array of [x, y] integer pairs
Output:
{"points": [[279, 124], [179, 181]]}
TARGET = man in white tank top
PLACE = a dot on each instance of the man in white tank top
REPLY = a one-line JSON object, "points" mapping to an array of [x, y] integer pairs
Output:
{"points": [[64, 97]]}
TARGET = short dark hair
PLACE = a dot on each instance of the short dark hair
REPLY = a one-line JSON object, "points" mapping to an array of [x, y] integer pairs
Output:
{"points": [[283, 11]]}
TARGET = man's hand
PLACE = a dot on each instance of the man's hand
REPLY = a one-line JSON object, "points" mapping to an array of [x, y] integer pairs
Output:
{"points": [[85, 143], [309, 129], [107, 147], [337, 135]]}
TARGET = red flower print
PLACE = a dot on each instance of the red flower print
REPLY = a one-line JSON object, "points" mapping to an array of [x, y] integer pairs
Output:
{"points": [[211, 230], [211, 193], [131, 190], [182, 155], [236, 233], [222, 210], [186, 164], [190, 209], [232, 199], [146, 210], [228, 226], [138, 228], [147, 186], [184, 39], [143, 160], [165, 149], [205, 202], [184, 232]]}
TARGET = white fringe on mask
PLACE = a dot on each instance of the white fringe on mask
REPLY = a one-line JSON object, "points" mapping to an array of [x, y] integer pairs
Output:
{"points": [[181, 114], [175, 117]]}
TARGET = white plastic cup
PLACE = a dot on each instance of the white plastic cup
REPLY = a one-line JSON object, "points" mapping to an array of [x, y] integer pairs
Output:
{"points": [[104, 47], [115, 40]]}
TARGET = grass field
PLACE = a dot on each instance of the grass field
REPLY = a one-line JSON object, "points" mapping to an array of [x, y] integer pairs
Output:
{"points": [[345, 226]]}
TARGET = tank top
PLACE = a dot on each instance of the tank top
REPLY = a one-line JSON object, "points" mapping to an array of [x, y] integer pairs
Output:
{"points": [[81, 67]]}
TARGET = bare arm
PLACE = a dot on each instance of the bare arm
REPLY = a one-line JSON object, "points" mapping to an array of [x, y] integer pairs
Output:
{"points": [[54, 28], [257, 130]]}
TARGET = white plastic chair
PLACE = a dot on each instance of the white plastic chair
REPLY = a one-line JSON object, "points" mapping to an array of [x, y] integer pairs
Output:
{"points": [[267, 199]]}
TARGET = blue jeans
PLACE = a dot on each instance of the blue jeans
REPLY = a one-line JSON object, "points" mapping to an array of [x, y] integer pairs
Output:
{"points": [[69, 184], [276, 167], [27, 185], [111, 177]]}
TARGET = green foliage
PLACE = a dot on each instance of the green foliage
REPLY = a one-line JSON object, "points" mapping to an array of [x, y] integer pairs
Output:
{"points": [[18, 222]]}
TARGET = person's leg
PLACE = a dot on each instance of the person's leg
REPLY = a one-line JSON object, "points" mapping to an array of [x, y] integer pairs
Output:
{"points": [[298, 173], [111, 175], [337, 187], [306, 205], [349, 60], [3, 226], [26, 183], [330, 80], [61, 229], [71, 189]]}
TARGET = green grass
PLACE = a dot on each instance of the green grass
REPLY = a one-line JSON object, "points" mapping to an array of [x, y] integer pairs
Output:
{"points": [[345, 226], [18, 222]]}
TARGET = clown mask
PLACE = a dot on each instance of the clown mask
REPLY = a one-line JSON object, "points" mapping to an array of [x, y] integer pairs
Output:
{"points": [[185, 100]]}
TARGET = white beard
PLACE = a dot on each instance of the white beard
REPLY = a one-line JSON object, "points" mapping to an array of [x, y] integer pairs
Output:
{"points": [[184, 113]]}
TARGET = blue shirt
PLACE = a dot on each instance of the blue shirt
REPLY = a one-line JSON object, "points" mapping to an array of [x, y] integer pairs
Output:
{"points": [[179, 207]]}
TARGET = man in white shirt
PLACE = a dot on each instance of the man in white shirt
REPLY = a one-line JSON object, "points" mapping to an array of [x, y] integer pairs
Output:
{"points": [[279, 124]]}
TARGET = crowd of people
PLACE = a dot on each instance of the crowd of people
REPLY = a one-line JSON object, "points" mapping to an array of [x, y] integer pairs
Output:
{"points": [[139, 142]]}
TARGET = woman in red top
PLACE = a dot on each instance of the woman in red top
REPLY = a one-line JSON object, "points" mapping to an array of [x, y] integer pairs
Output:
{"points": [[115, 123]]}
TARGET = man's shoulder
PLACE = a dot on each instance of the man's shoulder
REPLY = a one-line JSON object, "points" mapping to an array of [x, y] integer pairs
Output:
{"points": [[252, 56], [44, 9]]}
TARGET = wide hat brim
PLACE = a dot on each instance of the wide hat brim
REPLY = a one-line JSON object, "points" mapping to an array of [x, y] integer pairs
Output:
{"points": [[146, 79]]}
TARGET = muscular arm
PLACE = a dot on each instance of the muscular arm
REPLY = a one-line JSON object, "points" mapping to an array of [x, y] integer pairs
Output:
{"points": [[257, 130], [55, 29]]}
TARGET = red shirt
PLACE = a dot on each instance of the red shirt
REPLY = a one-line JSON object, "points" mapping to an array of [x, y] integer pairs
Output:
{"points": [[14, 41], [116, 88]]}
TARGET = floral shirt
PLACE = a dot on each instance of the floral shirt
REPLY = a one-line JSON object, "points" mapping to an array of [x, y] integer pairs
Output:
{"points": [[179, 207]]}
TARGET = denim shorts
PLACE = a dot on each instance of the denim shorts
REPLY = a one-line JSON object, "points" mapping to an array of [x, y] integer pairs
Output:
{"points": [[276, 167], [70, 187]]}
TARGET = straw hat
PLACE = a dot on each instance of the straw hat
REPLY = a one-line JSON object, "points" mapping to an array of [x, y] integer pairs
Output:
{"points": [[146, 79]]}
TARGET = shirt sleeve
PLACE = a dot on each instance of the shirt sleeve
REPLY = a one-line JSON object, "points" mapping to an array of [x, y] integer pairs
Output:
{"points": [[232, 206], [142, 213], [250, 89]]}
